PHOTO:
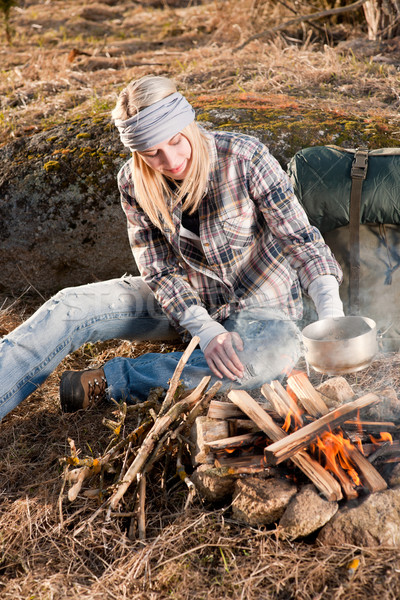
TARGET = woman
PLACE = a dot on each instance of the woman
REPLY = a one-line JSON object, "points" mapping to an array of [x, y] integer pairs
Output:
{"points": [[223, 249]]}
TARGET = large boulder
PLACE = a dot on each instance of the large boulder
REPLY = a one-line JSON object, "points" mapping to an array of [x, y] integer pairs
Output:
{"points": [[60, 219]]}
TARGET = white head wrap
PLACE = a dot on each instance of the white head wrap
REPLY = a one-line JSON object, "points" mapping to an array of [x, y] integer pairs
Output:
{"points": [[156, 123]]}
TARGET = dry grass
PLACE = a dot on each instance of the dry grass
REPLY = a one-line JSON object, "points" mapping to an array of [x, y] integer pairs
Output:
{"points": [[74, 59], [198, 554]]}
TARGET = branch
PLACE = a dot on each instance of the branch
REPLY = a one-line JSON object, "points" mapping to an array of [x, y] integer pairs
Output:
{"points": [[313, 17]]}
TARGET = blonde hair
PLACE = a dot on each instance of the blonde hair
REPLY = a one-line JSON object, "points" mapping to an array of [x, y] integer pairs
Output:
{"points": [[151, 188]]}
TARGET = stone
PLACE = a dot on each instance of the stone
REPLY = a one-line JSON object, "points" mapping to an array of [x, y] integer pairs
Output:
{"points": [[388, 408], [335, 391], [261, 502], [307, 512], [60, 215], [394, 479], [213, 484], [374, 522]]}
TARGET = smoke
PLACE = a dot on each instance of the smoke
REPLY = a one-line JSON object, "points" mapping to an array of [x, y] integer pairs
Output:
{"points": [[272, 345]]}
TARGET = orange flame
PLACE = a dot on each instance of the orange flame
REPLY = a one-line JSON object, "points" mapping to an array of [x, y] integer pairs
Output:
{"points": [[385, 437], [335, 448], [292, 420], [288, 421]]}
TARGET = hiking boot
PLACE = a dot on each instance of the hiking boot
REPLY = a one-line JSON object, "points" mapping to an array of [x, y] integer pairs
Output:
{"points": [[81, 389]]}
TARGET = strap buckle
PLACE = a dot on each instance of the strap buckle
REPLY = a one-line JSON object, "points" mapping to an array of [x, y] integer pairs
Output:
{"points": [[359, 166]]}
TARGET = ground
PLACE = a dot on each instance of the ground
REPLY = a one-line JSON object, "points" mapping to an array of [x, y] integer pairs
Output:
{"points": [[69, 59]]}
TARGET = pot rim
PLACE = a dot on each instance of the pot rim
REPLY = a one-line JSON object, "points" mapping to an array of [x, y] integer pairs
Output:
{"points": [[309, 332]]}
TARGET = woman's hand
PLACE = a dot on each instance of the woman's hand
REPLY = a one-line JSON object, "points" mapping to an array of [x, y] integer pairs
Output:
{"points": [[222, 358]]}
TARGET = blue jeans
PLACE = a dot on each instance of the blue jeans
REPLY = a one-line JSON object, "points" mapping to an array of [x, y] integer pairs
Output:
{"points": [[126, 309]]}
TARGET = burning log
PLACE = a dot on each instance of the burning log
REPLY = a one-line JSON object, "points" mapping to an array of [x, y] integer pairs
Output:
{"points": [[323, 481], [290, 445], [371, 477], [282, 402], [369, 426]]}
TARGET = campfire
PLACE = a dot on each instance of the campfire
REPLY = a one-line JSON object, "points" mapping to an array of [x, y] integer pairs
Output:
{"points": [[276, 445], [335, 449]]}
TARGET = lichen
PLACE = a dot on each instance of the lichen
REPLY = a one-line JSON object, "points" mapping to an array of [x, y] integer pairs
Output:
{"points": [[51, 165]]}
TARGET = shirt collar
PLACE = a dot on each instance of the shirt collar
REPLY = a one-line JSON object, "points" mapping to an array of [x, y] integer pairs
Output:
{"points": [[212, 148]]}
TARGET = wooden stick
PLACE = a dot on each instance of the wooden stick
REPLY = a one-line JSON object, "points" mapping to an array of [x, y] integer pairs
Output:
{"points": [[160, 426], [224, 410], [237, 441], [288, 447], [323, 480], [142, 507], [281, 401], [307, 394], [197, 408], [174, 382]]}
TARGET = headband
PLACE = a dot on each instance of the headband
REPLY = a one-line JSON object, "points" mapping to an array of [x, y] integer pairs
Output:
{"points": [[156, 123]]}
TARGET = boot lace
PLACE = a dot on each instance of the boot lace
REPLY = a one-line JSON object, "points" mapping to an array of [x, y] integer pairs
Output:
{"points": [[96, 389]]}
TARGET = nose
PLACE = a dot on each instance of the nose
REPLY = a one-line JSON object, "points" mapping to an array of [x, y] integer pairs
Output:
{"points": [[169, 158]]}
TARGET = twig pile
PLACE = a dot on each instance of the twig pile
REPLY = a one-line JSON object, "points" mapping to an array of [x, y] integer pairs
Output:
{"points": [[131, 455]]}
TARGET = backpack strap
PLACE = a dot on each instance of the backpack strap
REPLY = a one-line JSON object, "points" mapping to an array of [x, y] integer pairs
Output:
{"points": [[358, 174]]}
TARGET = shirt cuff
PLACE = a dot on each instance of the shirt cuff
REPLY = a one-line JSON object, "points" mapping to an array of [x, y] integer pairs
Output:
{"points": [[198, 322], [324, 291]]}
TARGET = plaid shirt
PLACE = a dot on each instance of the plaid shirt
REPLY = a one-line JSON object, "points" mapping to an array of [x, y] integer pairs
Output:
{"points": [[259, 248]]}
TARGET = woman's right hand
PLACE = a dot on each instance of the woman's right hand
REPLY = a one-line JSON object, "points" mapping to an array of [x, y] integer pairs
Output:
{"points": [[222, 358]]}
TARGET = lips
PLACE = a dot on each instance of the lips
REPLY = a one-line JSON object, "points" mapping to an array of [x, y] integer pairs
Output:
{"points": [[179, 168]]}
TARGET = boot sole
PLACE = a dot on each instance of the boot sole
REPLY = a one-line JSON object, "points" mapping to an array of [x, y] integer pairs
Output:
{"points": [[70, 400]]}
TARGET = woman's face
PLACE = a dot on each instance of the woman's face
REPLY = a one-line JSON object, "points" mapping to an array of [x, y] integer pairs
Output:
{"points": [[171, 158]]}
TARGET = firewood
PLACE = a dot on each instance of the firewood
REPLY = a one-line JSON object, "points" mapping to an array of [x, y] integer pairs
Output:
{"points": [[378, 452], [307, 394], [281, 400], [224, 410], [384, 450], [240, 465], [288, 447], [203, 431], [369, 426], [238, 441], [372, 479], [323, 481]]}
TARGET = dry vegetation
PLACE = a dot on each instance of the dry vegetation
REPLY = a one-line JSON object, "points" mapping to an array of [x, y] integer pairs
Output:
{"points": [[70, 58], [53, 549]]}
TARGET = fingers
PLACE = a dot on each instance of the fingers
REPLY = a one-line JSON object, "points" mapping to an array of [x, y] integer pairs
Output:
{"points": [[237, 341], [222, 358]]}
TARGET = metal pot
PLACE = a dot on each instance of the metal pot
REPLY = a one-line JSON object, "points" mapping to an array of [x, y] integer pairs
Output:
{"points": [[340, 345]]}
